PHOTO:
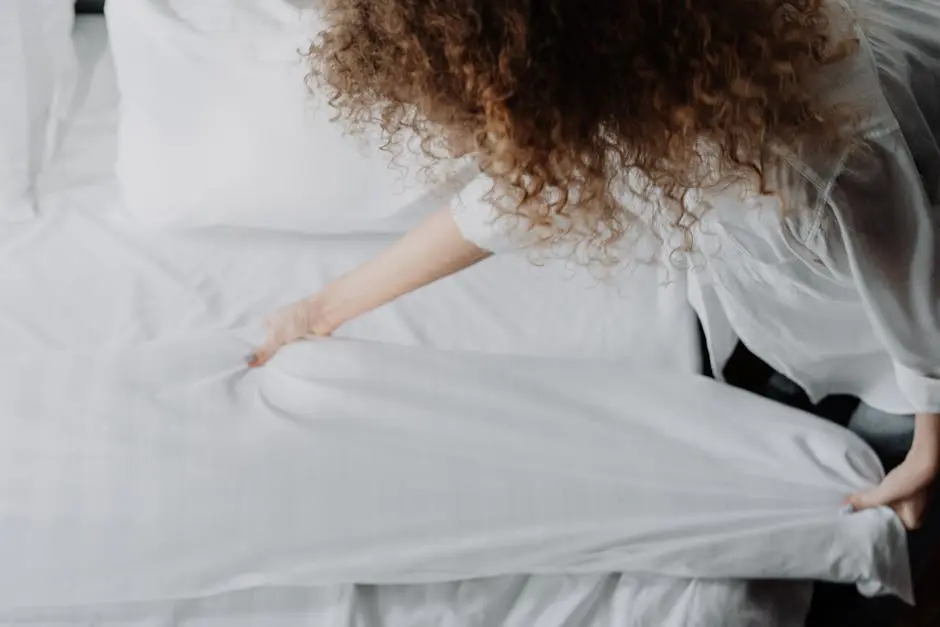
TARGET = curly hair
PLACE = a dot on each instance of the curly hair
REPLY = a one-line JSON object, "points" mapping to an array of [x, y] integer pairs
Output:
{"points": [[568, 105]]}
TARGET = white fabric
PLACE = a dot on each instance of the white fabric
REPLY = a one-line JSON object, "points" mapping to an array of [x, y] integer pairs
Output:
{"points": [[137, 288], [34, 68], [87, 145], [842, 296], [219, 128], [546, 601], [169, 470], [481, 224], [106, 282], [79, 289]]}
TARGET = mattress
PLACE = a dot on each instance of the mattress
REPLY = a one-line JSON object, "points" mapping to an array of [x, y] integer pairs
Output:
{"points": [[85, 281]]}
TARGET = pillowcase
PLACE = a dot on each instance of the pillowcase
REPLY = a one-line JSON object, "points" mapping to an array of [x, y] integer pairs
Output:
{"points": [[218, 126], [35, 59]]}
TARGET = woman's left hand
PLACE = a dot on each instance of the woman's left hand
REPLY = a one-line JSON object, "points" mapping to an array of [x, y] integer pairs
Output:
{"points": [[906, 488]]}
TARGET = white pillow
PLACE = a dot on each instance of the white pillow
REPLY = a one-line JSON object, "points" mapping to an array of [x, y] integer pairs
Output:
{"points": [[35, 59], [218, 126]]}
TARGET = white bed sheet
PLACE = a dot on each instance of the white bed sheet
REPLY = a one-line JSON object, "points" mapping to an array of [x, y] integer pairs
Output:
{"points": [[151, 284], [80, 277], [169, 469], [81, 281], [135, 284], [540, 601]]}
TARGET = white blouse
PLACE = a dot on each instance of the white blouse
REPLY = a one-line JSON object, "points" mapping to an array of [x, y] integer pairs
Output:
{"points": [[844, 296]]}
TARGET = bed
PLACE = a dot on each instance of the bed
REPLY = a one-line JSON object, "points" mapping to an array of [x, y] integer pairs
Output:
{"points": [[83, 282]]}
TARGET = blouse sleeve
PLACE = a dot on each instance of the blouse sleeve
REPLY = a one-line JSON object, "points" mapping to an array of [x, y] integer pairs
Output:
{"points": [[480, 223], [887, 224]]}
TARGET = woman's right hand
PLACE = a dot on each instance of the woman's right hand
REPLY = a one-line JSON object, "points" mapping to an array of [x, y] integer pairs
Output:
{"points": [[305, 318]]}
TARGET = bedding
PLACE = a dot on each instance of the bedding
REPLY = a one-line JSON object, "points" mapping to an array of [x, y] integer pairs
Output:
{"points": [[35, 55], [169, 469], [137, 288], [545, 601], [138, 285], [221, 129], [86, 295]]}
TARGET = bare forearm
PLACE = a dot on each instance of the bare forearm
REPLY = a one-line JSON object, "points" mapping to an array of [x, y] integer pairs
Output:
{"points": [[926, 446], [431, 251]]}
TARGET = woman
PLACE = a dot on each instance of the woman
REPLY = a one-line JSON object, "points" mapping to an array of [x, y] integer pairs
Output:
{"points": [[785, 151]]}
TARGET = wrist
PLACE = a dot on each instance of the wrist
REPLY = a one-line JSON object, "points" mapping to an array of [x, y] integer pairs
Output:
{"points": [[325, 312]]}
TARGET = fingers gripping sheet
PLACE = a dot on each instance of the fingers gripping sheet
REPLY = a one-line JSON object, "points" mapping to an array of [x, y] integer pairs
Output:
{"points": [[170, 470]]}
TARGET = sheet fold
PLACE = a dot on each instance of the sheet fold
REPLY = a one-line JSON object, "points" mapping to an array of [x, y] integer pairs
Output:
{"points": [[170, 470]]}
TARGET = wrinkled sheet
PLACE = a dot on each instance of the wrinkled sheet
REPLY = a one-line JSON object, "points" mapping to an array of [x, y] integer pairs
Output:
{"points": [[520, 601], [81, 283], [170, 470]]}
